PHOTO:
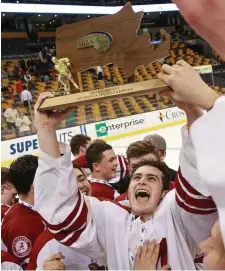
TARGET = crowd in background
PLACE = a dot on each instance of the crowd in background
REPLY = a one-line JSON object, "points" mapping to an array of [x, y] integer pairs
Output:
{"points": [[23, 72]]}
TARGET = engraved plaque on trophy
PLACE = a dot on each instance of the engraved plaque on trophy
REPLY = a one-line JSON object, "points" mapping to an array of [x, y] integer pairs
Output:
{"points": [[110, 39]]}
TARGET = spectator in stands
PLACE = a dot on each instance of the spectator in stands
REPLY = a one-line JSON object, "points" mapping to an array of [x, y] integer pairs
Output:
{"points": [[19, 86], [79, 144], [44, 71], [10, 72], [44, 52], [21, 73], [160, 143], [30, 63], [4, 74], [10, 91], [23, 123], [22, 64], [11, 115], [99, 72], [28, 79], [26, 98]]}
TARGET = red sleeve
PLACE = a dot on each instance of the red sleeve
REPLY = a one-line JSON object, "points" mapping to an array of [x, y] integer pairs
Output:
{"points": [[38, 245], [190, 199], [122, 197], [124, 166], [19, 237], [81, 161], [102, 191]]}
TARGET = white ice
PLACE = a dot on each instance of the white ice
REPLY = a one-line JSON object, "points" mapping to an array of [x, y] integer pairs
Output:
{"points": [[172, 136]]}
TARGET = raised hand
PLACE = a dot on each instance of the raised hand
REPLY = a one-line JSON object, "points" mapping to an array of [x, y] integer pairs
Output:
{"points": [[46, 119], [207, 18], [54, 262], [147, 257], [187, 85]]}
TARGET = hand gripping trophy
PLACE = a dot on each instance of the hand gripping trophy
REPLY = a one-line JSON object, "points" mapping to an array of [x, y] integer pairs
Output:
{"points": [[64, 74]]}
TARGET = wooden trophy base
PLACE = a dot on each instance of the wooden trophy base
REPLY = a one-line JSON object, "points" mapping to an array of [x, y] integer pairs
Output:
{"points": [[101, 95]]}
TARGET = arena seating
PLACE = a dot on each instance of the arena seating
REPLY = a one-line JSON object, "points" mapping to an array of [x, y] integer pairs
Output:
{"points": [[113, 76]]}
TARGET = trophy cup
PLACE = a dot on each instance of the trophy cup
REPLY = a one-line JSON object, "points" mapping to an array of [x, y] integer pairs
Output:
{"points": [[99, 42]]}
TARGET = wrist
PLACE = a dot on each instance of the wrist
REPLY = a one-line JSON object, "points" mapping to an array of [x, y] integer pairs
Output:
{"points": [[46, 127], [209, 99]]}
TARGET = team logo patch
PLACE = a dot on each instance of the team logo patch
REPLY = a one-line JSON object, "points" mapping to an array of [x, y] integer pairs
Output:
{"points": [[21, 246]]}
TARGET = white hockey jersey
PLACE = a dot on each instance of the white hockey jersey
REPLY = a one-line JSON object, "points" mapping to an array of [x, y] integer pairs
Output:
{"points": [[208, 135], [183, 219], [45, 246]]}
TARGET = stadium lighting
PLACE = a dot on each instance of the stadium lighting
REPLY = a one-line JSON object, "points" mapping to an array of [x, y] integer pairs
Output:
{"points": [[74, 9]]}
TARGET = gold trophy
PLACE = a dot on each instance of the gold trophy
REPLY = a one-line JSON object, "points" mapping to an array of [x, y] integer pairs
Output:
{"points": [[99, 42], [64, 75]]}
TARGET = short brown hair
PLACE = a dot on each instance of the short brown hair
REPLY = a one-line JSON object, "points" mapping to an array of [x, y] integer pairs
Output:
{"points": [[156, 164], [77, 141], [141, 148], [5, 175], [98, 141], [94, 153]]}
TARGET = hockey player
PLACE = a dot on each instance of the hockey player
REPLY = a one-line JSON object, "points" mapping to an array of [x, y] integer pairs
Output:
{"points": [[8, 192], [181, 221], [22, 224]]}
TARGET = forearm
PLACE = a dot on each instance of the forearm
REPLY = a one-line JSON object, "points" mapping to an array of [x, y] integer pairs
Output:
{"points": [[208, 98], [193, 113], [48, 141]]}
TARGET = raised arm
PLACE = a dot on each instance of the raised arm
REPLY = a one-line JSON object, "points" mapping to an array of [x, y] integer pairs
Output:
{"points": [[65, 211], [197, 209], [208, 134]]}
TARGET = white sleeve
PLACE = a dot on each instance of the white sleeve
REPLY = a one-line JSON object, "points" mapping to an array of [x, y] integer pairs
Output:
{"points": [[6, 113], [10, 266], [30, 96], [22, 97], [208, 135], [18, 122], [197, 209], [66, 212], [27, 121]]}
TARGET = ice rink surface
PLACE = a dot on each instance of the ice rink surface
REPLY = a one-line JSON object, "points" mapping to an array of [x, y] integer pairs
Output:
{"points": [[172, 136]]}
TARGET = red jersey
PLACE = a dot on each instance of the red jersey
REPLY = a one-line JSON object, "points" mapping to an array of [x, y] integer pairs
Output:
{"points": [[101, 189], [9, 262], [19, 86], [20, 228], [4, 209]]}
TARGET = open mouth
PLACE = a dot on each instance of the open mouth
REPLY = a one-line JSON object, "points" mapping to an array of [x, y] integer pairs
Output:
{"points": [[142, 195]]}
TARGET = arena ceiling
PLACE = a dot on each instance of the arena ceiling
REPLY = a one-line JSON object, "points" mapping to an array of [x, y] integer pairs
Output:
{"points": [[89, 2]]}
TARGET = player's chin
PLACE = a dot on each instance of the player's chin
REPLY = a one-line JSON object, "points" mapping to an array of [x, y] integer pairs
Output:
{"points": [[113, 174]]}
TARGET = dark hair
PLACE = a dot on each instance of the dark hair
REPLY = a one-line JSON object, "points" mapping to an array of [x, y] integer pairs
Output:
{"points": [[5, 175], [77, 141], [94, 153], [141, 148], [78, 167], [22, 172], [156, 164]]}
